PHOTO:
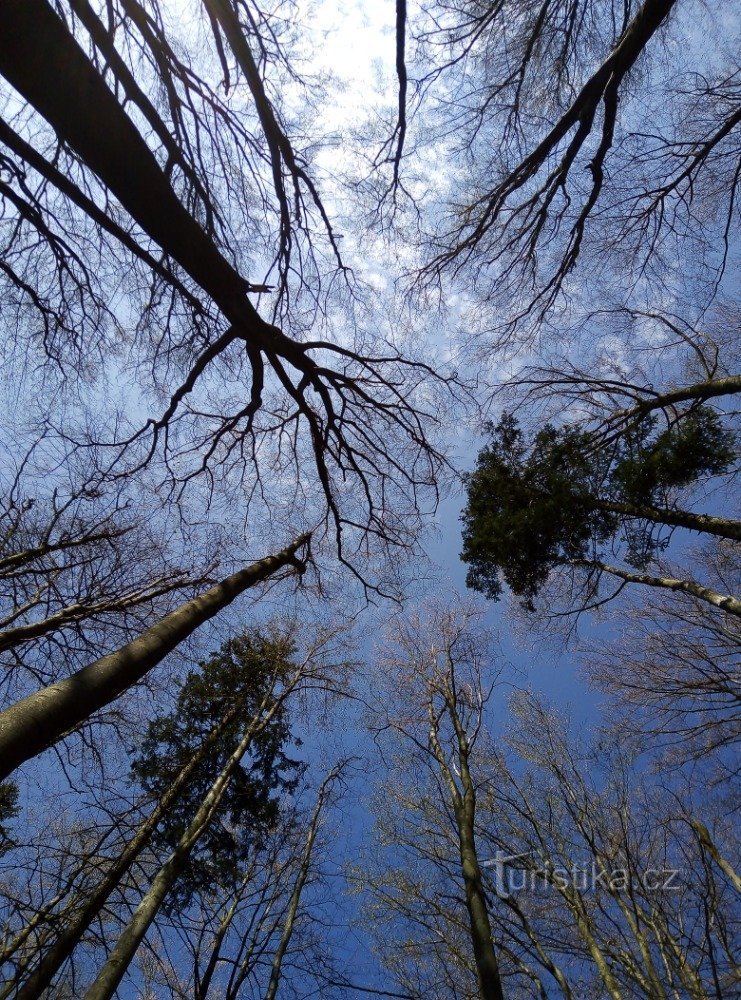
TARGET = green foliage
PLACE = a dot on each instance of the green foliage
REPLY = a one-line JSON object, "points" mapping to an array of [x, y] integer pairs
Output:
{"points": [[528, 511], [244, 673], [696, 446], [531, 509]]}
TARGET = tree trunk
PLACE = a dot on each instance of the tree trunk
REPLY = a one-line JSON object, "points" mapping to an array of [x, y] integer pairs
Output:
{"points": [[725, 602], [487, 967], [700, 391], [110, 976], [41, 720], [298, 887], [40, 57], [464, 808], [75, 925], [721, 526]]}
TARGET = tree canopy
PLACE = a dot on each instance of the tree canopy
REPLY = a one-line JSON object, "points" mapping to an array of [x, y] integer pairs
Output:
{"points": [[267, 269], [561, 499], [245, 675]]}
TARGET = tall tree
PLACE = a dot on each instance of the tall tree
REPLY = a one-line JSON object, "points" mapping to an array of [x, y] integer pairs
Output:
{"points": [[597, 879], [226, 805], [594, 144], [436, 714], [558, 502], [304, 398], [40, 720]]}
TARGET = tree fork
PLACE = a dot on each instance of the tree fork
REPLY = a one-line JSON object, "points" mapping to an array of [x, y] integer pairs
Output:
{"points": [[41, 58]]}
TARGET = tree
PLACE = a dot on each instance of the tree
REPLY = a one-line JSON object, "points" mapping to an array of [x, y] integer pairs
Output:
{"points": [[302, 398], [596, 876], [32, 724], [237, 697], [79, 903], [80, 564], [626, 881], [591, 144], [672, 676], [530, 510], [245, 671], [201, 841], [261, 934], [437, 717]]}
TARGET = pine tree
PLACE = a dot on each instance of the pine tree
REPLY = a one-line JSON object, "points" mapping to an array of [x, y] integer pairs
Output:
{"points": [[531, 509]]}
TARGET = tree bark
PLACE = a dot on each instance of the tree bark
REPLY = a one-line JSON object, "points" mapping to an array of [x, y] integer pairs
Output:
{"points": [[43, 718], [298, 888], [110, 976], [700, 391], [464, 809], [725, 602], [78, 922], [40, 57], [721, 526]]}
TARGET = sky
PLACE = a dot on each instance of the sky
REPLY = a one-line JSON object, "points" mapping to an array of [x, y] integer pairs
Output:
{"points": [[360, 49]]}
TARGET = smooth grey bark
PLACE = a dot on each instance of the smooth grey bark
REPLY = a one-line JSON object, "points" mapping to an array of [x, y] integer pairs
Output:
{"points": [[464, 809], [298, 888], [725, 602], [721, 526], [43, 718]]}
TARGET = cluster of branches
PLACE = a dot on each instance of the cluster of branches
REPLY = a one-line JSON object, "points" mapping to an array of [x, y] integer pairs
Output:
{"points": [[537, 865], [134, 202], [158, 218], [581, 140], [216, 848]]}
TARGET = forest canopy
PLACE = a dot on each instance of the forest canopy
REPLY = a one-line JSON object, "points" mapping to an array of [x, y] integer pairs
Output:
{"points": [[298, 302]]}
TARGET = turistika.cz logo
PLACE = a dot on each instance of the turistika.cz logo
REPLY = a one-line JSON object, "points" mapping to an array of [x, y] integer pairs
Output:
{"points": [[510, 879]]}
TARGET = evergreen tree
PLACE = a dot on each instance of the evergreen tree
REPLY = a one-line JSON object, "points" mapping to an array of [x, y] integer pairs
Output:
{"points": [[247, 672], [556, 502]]}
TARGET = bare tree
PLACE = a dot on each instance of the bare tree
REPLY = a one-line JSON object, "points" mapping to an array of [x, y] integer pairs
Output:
{"points": [[100, 884], [40, 720], [674, 675], [301, 395], [587, 151], [437, 714], [597, 878]]}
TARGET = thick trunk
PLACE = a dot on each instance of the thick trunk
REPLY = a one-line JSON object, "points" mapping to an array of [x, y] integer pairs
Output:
{"points": [[725, 602], [40, 57], [37, 722], [700, 391], [487, 967], [78, 922], [131, 937], [721, 526], [464, 809]]}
